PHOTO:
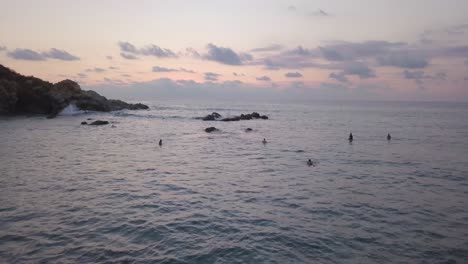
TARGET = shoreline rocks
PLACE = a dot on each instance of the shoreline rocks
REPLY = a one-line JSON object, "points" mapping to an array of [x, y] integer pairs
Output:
{"points": [[28, 95]]}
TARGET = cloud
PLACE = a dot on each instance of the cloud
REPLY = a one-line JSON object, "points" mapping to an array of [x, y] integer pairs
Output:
{"points": [[300, 91], [404, 59], [414, 74], [186, 70], [156, 51], [263, 78], [346, 56], [96, 70], [82, 75], [453, 33], [297, 58], [59, 55], [129, 51], [109, 57], [128, 56], [2, 48], [343, 50], [167, 88], [293, 75], [319, 13], [299, 51], [341, 77], [163, 69], [359, 69], [238, 74], [26, 54], [272, 47], [457, 51], [291, 8], [459, 29], [191, 52], [333, 55], [226, 55], [440, 76], [113, 68], [211, 76], [419, 75], [127, 47], [272, 65]]}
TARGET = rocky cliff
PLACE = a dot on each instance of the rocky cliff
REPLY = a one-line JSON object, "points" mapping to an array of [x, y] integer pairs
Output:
{"points": [[29, 95]]}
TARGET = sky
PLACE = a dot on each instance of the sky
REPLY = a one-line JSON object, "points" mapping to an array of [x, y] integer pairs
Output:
{"points": [[413, 50]]}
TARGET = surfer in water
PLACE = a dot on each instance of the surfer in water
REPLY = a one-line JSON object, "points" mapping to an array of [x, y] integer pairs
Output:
{"points": [[160, 142], [264, 141], [310, 163], [389, 137], [350, 138]]}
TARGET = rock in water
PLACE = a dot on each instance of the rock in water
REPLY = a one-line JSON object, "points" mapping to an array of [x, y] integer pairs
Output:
{"points": [[29, 95], [211, 129], [217, 117], [99, 123], [84, 123], [211, 117]]}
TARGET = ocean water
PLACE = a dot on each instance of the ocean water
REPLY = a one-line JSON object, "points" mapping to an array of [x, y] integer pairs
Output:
{"points": [[84, 194]]}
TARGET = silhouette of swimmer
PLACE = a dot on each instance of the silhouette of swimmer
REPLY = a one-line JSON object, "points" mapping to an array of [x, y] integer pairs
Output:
{"points": [[350, 138], [264, 141], [160, 142], [310, 163], [389, 137]]}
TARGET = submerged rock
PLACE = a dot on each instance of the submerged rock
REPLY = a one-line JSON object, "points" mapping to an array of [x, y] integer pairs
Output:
{"points": [[248, 129], [99, 123], [211, 129], [84, 123], [29, 95]]}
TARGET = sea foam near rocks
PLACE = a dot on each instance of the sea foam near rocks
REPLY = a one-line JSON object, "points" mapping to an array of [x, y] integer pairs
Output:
{"points": [[71, 110]]}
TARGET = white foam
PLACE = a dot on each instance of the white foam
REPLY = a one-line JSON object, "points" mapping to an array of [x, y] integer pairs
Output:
{"points": [[71, 109]]}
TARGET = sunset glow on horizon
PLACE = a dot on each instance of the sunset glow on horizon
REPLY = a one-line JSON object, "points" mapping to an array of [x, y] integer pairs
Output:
{"points": [[375, 50]]}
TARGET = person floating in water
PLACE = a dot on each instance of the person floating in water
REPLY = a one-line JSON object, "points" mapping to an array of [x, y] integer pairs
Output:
{"points": [[350, 138], [310, 163], [264, 141], [389, 137], [160, 142]]}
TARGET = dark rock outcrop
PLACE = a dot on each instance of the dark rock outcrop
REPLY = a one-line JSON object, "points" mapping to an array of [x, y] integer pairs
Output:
{"points": [[29, 95], [211, 117], [211, 129], [217, 117], [248, 129], [84, 123], [99, 123]]}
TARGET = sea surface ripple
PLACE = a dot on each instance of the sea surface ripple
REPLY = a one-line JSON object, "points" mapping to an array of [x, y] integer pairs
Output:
{"points": [[82, 194]]}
